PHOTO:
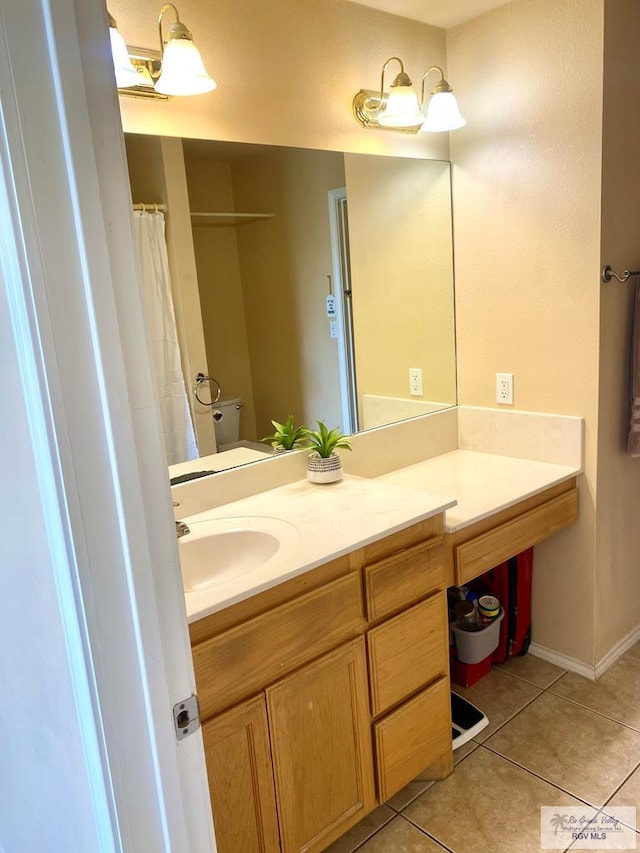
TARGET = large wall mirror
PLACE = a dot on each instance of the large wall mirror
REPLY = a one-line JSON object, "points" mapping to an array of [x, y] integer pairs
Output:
{"points": [[325, 280]]}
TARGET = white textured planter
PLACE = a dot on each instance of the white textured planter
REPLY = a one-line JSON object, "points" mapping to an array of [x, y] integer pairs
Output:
{"points": [[320, 470]]}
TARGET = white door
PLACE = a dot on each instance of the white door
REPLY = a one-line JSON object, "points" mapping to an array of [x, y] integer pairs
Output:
{"points": [[94, 642]]}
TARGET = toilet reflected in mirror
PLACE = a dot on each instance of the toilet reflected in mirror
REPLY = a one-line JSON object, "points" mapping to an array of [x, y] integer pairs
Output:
{"points": [[226, 424]]}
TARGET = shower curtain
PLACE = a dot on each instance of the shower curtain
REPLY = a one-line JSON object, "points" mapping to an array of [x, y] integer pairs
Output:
{"points": [[179, 435]]}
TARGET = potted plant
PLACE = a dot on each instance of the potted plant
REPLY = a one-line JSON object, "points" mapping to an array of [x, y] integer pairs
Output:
{"points": [[286, 436], [324, 464]]}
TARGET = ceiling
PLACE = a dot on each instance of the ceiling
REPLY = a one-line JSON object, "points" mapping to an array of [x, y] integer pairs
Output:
{"points": [[439, 13]]}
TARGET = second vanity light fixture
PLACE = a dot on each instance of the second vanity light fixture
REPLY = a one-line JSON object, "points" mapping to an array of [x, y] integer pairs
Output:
{"points": [[400, 109], [177, 69]]}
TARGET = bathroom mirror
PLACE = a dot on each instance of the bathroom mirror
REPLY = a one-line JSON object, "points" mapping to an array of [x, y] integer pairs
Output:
{"points": [[325, 281]]}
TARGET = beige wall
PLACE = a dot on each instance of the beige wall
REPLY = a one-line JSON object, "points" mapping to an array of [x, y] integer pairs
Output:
{"points": [[529, 180], [527, 240], [618, 531], [263, 283], [286, 71], [284, 263], [402, 275], [221, 299], [156, 172]]}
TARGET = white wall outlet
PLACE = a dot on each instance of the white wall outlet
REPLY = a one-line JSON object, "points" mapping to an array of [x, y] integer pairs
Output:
{"points": [[504, 389], [333, 328], [415, 381]]}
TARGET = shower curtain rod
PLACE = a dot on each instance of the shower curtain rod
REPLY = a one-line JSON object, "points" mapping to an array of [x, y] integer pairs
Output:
{"points": [[150, 207]]}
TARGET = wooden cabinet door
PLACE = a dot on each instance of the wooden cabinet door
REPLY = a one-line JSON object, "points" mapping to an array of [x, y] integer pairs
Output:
{"points": [[238, 757], [321, 745]]}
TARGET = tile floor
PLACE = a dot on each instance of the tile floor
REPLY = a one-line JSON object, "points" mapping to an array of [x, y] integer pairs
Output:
{"points": [[554, 739]]}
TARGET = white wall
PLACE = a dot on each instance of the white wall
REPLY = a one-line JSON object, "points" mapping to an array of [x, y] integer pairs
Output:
{"points": [[87, 580]]}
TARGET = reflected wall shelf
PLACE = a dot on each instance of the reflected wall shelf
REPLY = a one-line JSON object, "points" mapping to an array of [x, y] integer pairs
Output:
{"points": [[230, 218]]}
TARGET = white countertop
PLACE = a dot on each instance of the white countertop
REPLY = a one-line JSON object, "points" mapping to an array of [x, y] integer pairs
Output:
{"points": [[331, 520], [481, 483], [217, 462]]}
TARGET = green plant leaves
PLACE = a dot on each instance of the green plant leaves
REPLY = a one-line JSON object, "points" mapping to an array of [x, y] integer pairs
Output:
{"points": [[286, 435], [323, 440]]}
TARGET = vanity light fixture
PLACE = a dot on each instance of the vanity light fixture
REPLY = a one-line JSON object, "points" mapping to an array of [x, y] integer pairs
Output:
{"points": [[126, 74], [177, 69], [397, 110], [183, 71], [442, 111]]}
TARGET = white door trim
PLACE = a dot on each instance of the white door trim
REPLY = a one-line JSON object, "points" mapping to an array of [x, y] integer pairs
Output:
{"points": [[85, 339], [334, 197]]}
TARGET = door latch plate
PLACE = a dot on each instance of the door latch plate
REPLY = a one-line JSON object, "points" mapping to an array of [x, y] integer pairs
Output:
{"points": [[186, 717]]}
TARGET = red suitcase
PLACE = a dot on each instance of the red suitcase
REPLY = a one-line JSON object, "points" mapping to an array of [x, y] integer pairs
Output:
{"points": [[510, 582]]}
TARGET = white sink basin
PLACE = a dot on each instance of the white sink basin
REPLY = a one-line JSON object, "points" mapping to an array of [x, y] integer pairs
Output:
{"points": [[219, 549]]}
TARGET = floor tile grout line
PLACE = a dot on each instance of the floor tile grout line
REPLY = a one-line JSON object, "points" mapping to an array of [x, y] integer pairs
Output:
{"points": [[471, 751], [556, 680], [374, 833], [428, 834], [431, 782], [624, 782], [509, 719], [528, 681], [621, 785], [593, 711], [400, 817], [602, 811], [542, 779], [419, 794]]}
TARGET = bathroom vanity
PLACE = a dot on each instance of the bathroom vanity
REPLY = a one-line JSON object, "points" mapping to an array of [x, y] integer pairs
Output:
{"points": [[316, 694], [324, 688]]}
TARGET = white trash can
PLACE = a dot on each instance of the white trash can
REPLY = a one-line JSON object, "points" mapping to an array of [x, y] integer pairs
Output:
{"points": [[474, 646]]}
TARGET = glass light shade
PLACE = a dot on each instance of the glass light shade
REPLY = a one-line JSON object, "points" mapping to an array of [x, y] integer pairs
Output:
{"points": [[183, 71], [443, 113], [126, 74], [402, 109]]}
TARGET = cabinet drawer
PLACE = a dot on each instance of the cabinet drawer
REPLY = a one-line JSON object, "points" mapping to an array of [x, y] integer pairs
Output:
{"points": [[412, 737], [243, 660], [407, 652], [405, 538], [392, 584], [484, 552]]}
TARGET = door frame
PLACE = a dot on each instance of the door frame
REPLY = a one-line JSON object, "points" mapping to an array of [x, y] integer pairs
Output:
{"points": [[78, 334], [346, 362]]}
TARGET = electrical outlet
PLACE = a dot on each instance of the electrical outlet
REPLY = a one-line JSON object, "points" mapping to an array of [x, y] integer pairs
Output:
{"points": [[333, 329], [504, 388], [415, 381]]}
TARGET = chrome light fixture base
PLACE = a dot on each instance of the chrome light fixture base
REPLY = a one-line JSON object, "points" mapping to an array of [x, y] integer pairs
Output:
{"points": [[368, 106]]}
